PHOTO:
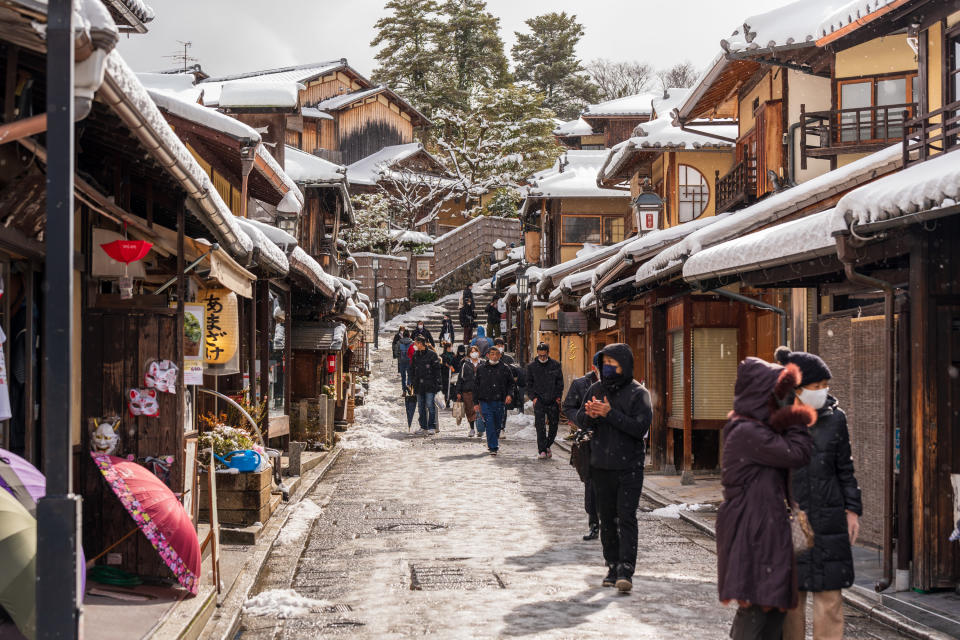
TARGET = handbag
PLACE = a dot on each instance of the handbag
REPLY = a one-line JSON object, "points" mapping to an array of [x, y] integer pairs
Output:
{"points": [[800, 530], [580, 454], [458, 411]]}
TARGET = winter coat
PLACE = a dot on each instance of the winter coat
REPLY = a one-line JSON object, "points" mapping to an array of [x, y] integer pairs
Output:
{"points": [[426, 371], [494, 382], [446, 331], [482, 342], [468, 377], [761, 443], [617, 441], [544, 381], [466, 316], [402, 350], [396, 338], [826, 489], [577, 395], [466, 298], [493, 314], [422, 332]]}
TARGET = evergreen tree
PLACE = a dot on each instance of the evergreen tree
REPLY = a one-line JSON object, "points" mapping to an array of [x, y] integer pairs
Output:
{"points": [[471, 50], [547, 59], [372, 229], [409, 56]]}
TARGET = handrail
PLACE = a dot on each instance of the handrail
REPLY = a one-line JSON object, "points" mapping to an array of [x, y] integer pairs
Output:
{"points": [[236, 406], [855, 125], [923, 135]]}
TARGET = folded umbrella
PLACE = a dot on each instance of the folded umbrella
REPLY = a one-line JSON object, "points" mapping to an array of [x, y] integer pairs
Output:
{"points": [[158, 513], [18, 557]]}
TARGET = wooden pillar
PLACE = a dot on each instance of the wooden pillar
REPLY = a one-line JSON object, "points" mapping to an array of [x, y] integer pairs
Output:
{"points": [[178, 337], [661, 440], [251, 307], [288, 352], [10, 84], [263, 346], [687, 477], [30, 371], [246, 167]]}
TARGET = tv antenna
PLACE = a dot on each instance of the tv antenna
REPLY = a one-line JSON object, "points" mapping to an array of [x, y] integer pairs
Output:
{"points": [[183, 58]]}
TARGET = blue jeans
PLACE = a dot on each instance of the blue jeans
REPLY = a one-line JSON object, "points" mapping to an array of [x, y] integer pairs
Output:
{"points": [[427, 410], [405, 377], [493, 413]]}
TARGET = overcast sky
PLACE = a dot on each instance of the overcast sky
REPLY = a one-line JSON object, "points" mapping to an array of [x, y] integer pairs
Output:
{"points": [[231, 36]]}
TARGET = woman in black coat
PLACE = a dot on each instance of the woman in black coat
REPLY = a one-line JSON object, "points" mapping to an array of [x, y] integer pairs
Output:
{"points": [[827, 491]]}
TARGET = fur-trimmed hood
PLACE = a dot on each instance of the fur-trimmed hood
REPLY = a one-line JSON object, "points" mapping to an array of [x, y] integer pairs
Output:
{"points": [[764, 392]]}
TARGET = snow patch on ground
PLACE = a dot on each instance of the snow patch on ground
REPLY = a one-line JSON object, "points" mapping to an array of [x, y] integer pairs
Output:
{"points": [[282, 604], [301, 517], [673, 510], [375, 420]]}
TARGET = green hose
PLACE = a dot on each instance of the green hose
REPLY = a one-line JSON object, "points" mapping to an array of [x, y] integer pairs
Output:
{"points": [[113, 576]]}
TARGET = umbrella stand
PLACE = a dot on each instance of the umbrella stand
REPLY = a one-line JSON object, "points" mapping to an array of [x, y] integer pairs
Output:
{"points": [[111, 547]]}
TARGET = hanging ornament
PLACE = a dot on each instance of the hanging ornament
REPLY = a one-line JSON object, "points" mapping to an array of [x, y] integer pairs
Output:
{"points": [[127, 251], [221, 324]]}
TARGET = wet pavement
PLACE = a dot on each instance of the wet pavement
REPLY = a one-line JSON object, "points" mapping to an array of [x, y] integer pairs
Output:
{"points": [[430, 536]]}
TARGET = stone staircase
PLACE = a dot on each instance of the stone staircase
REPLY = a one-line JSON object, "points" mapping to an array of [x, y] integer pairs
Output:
{"points": [[432, 313]]}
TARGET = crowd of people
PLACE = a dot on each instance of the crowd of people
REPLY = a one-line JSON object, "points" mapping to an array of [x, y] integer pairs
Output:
{"points": [[786, 462]]}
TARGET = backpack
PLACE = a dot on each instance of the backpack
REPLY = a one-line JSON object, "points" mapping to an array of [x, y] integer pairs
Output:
{"points": [[404, 354]]}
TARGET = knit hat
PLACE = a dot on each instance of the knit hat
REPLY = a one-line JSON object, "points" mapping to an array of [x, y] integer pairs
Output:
{"points": [[543, 346], [812, 367], [598, 359]]}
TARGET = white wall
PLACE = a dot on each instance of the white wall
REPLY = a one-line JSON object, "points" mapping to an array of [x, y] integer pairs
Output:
{"points": [[814, 92]]}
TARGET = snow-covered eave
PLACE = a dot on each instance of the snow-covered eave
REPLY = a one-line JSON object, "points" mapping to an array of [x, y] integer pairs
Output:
{"points": [[304, 264], [265, 253], [291, 187]]}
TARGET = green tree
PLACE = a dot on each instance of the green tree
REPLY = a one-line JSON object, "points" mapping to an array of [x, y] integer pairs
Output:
{"points": [[471, 50], [409, 56], [372, 229], [547, 59]]}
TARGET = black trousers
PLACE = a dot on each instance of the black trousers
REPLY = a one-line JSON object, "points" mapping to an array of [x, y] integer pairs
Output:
{"points": [[590, 503], [544, 414], [753, 623], [618, 496]]}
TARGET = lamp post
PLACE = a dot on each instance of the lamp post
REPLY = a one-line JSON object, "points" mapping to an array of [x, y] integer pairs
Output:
{"points": [[647, 207], [376, 304], [499, 250], [523, 287]]}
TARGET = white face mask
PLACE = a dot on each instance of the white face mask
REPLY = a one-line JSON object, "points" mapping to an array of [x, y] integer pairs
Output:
{"points": [[474, 356], [814, 398], [543, 358]]}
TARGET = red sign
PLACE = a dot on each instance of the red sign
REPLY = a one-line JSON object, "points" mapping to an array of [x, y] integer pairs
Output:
{"points": [[331, 364]]}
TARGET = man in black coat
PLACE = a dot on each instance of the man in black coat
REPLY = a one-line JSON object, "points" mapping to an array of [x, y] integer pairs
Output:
{"points": [[618, 412], [493, 318], [545, 390], [571, 407], [421, 330], [494, 384], [426, 370], [467, 314]]}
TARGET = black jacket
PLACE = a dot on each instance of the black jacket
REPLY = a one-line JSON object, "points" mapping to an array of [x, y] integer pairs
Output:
{"points": [[617, 441], [466, 315], [422, 332], [494, 382], [396, 338], [447, 329], [826, 488], [426, 371], [576, 396], [544, 381], [468, 378], [493, 314]]}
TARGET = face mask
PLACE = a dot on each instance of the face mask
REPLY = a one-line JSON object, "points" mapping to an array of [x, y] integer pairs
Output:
{"points": [[474, 356], [815, 399], [609, 370], [419, 326], [542, 358]]}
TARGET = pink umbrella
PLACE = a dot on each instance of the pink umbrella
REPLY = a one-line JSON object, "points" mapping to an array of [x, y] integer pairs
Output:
{"points": [[158, 513]]}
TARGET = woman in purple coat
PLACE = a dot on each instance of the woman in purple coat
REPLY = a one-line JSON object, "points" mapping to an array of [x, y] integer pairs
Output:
{"points": [[765, 438]]}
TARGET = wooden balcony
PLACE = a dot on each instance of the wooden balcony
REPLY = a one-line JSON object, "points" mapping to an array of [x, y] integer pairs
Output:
{"points": [[931, 134], [826, 134], [739, 186]]}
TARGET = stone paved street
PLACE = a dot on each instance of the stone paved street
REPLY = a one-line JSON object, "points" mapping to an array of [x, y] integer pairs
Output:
{"points": [[430, 536]]}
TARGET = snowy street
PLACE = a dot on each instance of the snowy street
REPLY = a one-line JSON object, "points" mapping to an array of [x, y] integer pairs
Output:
{"points": [[412, 536]]}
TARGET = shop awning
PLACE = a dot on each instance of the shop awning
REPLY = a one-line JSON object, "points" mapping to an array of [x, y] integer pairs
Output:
{"points": [[318, 336]]}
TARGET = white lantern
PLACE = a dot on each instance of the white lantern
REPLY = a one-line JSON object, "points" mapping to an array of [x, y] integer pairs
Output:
{"points": [[647, 207]]}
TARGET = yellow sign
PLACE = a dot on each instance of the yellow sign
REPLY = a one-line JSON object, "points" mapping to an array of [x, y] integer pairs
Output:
{"points": [[221, 325]]}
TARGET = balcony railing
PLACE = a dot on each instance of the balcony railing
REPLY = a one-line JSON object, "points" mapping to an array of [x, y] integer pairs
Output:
{"points": [[738, 186], [932, 133], [855, 130]]}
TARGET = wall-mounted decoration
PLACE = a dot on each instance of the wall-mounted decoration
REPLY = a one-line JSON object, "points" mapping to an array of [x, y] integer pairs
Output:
{"points": [[143, 402], [162, 376], [192, 343], [127, 251], [105, 435]]}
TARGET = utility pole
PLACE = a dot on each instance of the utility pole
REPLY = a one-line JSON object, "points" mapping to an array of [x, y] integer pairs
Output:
{"points": [[59, 612], [376, 304]]}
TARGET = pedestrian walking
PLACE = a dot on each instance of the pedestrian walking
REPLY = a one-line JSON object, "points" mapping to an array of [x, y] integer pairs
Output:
{"points": [[571, 406], [426, 367], [827, 491], [515, 396], [402, 353], [545, 390], [500, 344], [502, 308], [481, 342], [421, 330], [447, 333], [467, 313], [448, 359], [466, 388], [766, 436], [493, 318], [617, 412], [494, 383], [396, 338]]}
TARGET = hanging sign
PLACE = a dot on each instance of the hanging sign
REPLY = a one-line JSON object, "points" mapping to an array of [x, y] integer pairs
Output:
{"points": [[221, 325], [192, 343]]}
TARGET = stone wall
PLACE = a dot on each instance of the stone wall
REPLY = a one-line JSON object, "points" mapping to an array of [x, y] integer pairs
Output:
{"points": [[392, 274], [471, 240], [476, 269]]}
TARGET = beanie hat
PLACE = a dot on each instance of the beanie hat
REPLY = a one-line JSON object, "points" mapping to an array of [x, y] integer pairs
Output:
{"points": [[598, 359], [812, 367]]}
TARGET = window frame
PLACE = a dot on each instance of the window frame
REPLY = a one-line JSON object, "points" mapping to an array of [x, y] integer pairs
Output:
{"points": [[706, 201], [909, 77], [563, 227]]}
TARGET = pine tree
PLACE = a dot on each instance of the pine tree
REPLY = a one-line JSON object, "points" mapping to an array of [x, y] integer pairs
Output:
{"points": [[371, 231], [547, 58], [409, 56], [471, 50]]}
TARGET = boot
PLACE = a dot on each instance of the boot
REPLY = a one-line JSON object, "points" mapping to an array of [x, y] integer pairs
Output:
{"points": [[594, 532], [611, 578], [624, 578]]}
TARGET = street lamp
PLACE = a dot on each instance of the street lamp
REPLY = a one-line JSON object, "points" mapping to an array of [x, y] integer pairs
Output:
{"points": [[647, 207], [523, 288], [500, 250], [376, 304]]}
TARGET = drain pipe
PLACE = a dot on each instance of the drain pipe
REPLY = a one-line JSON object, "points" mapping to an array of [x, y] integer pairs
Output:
{"points": [[791, 150], [757, 303], [845, 252]]}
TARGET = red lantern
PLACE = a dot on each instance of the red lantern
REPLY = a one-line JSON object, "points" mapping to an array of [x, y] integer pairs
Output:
{"points": [[127, 251], [331, 364]]}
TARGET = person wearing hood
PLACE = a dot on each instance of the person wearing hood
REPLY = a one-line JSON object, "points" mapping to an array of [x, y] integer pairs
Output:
{"points": [[571, 406], [422, 330], [402, 351], [447, 333], [617, 411], [481, 342], [426, 367], [827, 491], [467, 313], [545, 390], [766, 436]]}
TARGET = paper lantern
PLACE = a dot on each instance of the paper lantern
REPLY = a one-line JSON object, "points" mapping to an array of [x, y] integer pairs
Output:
{"points": [[221, 325]]}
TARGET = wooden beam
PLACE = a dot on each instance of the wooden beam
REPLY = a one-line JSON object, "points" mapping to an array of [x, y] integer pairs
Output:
{"points": [[10, 83]]}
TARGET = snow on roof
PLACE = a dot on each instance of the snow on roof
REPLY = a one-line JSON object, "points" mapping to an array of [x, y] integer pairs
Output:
{"points": [[299, 73], [244, 93], [344, 99], [174, 82], [300, 258], [292, 201], [576, 179], [278, 236], [806, 238], [850, 12], [406, 235], [577, 264], [180, 105], [771, 209], [636, 105], [669, 100], [576, 281], [306, 168], [140, 9], [516, 253], [572, 128], [499, 244], [313, 112], [367, 170], [791, 26], [923, 186], [270, 255]]}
